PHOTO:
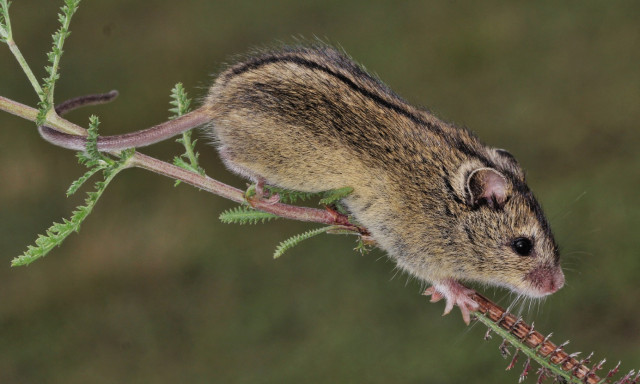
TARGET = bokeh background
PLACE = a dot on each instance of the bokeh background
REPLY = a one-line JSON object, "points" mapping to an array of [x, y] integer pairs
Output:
{"points": [[155, 290]]}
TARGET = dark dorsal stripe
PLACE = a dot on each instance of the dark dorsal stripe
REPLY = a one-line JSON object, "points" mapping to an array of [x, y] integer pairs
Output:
{"points": [[262, 61], [258, 62]]}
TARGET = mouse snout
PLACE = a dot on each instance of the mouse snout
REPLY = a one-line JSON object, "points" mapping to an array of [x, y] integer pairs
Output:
{"points": [[556, 281], [546, 280]]}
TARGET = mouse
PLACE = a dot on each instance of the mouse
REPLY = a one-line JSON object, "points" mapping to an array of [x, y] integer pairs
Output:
{"points": [[447, 208]]}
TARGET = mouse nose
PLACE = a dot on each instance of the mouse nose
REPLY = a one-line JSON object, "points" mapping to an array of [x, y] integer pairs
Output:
{"points": [[557, 281], [546, 279]]}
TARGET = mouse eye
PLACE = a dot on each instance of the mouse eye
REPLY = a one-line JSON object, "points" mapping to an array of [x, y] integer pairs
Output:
{"points": [[522, 246]]}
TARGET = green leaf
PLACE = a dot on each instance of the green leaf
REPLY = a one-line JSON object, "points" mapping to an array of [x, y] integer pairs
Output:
{"points": [[189, 159], [334, 195], [82, 179], [54, 56], [58, 232], [295, 240], [245, 215], [288, 196], [179, 100], [92, 139]]}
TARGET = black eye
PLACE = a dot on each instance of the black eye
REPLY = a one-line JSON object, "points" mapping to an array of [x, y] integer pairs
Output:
{"points": [[522, 246]]}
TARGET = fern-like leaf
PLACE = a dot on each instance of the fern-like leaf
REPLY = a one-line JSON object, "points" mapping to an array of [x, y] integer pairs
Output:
{"points": [[54, 56], [288, 196], [73, 188], [58, 232], [334, 195], [189, 159], [295, 240], [92, 143], [179, 100], [245, 215]]}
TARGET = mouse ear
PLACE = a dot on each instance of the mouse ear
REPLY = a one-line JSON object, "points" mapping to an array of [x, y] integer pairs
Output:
{"points": [[487, 186]]}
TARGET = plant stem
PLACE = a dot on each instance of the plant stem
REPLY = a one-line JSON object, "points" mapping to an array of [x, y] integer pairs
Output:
{"points": [[7, 35], [18, 109], [23, 64], [188, 145], [532, 343], [228, 192], [200, 181]]}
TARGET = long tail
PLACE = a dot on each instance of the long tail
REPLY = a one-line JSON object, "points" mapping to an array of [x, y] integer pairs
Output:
{"points": [[136, 139]]}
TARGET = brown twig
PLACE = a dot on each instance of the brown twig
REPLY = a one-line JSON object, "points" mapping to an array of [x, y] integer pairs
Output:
{"points": [[555, 354]]}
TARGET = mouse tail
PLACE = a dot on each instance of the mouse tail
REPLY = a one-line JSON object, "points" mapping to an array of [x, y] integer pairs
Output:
{"points": [[136, 139]]}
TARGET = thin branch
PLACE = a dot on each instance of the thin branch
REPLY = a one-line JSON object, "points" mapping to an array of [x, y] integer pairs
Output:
{"points": [[199, 181], [6, 35], [23, 64]]}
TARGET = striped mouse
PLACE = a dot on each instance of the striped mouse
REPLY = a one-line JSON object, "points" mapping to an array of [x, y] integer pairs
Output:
{"points": [[444, 206]]}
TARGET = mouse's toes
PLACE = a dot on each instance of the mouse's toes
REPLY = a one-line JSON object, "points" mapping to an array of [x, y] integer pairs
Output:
{"points": [[435, 295], [455, 294]]}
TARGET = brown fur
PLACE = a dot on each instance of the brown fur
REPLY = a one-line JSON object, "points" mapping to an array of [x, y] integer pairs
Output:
{"points": [[310, 119]]}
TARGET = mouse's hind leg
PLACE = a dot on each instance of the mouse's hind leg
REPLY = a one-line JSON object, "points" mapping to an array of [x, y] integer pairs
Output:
{"points": [[259, 181]]}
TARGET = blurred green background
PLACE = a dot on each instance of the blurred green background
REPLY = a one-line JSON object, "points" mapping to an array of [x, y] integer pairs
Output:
{"points": [[155, 289]]}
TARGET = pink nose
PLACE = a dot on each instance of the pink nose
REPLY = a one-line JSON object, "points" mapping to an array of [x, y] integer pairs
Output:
{"points": [[545, 279], [557, 281]]}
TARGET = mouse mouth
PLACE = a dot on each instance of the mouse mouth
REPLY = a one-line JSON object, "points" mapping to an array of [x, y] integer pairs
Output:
{"points": [[544, 280]]}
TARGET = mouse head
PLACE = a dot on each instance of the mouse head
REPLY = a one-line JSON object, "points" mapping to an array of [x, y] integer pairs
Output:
{"points": [[506, 229]]}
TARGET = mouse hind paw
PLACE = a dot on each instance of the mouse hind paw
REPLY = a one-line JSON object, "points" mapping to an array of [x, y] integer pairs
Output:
{"points": [[454, 294]]}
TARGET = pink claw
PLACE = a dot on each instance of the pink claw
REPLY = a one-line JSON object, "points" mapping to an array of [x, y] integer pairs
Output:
{"points": [[455, 294], [435, 295]]}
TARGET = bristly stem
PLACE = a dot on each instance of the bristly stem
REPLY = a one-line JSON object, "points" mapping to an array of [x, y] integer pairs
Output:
{"points": [[533, 344]]}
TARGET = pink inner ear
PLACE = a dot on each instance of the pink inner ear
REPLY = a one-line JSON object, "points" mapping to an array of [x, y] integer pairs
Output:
{"points": [[495, 186], [488, 185]]}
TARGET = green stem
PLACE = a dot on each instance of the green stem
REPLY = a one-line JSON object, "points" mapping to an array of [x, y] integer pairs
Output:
{"points": [[25, 67], [186, 137], [7, 35]]}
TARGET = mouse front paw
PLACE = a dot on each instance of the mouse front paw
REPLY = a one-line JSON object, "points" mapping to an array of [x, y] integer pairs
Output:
{"points": [[454, 293]]}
